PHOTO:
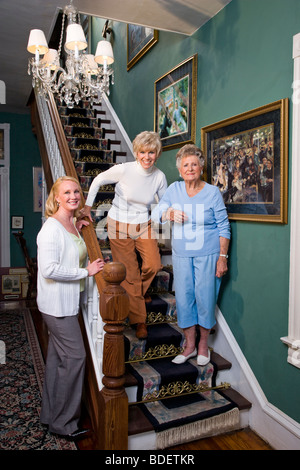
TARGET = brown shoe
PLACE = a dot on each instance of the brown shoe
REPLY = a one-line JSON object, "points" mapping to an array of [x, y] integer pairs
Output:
{"points": [[141, 331]]}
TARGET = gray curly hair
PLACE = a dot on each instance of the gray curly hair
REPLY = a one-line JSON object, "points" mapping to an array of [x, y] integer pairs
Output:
{"points": [[187, 151]]}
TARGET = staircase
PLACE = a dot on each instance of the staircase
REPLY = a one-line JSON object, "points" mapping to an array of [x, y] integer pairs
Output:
{"points": [[168, 404]]}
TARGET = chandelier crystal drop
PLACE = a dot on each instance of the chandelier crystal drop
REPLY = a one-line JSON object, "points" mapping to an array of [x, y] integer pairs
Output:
{"points": [[85, 76]]}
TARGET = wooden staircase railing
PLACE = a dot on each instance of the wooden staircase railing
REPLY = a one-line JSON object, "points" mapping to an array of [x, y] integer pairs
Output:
{"points": [[108, 407], [88, 232]]}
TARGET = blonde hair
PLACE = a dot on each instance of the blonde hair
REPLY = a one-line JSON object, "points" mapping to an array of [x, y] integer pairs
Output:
{"points": [[187, 151], [147, 140], [51, 203]]}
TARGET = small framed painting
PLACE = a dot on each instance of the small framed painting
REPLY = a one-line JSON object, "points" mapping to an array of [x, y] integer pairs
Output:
{"points": [[175, 104]]}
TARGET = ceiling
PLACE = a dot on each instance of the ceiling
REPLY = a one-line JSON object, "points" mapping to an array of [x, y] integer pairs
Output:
{"points": [[18, 17]]}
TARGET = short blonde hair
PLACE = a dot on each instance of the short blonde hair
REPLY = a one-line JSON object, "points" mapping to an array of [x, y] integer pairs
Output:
{"points": [[189, 150], [147, 140], [51, 203]]}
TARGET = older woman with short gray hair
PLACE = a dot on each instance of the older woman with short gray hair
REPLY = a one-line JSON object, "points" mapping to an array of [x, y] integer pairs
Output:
{"points": [[200, 241]]}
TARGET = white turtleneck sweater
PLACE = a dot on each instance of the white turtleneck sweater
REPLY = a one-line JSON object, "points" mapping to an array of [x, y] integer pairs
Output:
{"points": [[135, 191]]}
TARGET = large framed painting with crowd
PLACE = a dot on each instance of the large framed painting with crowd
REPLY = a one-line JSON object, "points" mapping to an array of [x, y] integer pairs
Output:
{"points": [[247, 158]]}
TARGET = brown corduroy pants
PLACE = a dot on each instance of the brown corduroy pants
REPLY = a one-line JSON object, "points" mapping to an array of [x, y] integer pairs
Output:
{"points": [[125, 241]]}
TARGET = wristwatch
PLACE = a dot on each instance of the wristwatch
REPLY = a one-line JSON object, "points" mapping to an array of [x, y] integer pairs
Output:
{"points": [[224, 256]]}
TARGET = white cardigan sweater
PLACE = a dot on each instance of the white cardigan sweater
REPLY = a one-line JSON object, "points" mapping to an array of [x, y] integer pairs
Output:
{"points": [[59, 275]]}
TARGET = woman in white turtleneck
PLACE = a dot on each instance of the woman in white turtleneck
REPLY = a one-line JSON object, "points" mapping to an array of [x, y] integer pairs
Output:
{"points": [[129, 227]]}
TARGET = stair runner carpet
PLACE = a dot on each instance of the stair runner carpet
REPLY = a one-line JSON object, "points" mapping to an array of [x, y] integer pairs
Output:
{"points": [[185, 417]]}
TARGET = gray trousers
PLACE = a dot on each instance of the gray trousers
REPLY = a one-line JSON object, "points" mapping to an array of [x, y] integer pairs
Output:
{"points": [[64, 375]]}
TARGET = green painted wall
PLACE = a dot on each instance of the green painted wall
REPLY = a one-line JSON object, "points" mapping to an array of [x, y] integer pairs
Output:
{"points": [[244, 61], [24, 155]]}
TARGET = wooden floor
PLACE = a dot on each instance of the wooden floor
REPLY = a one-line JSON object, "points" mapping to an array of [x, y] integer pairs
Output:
{"points": [[244, 439], [237, 440]]}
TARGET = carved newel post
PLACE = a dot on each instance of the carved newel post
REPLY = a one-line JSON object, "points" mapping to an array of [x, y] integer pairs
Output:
{"points": [[114, 305]]}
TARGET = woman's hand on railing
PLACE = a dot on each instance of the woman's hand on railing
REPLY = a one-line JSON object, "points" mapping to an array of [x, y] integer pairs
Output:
{"points": [[81, 223], [95, 267], [86, 212]]}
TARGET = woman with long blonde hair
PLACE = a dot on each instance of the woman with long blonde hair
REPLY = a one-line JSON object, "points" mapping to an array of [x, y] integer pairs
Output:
{"points": [[62, 270]]}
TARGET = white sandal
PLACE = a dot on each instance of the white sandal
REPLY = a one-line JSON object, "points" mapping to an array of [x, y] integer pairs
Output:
{"points": [[203, 360], [181, 359]]}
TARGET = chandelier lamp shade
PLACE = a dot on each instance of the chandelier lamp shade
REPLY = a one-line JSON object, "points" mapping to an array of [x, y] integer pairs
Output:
{"points": [[84, 76]]}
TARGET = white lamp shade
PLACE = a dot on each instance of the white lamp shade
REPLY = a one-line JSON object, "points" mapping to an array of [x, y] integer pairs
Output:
{"points": [[75, 37], [37, 42], [51, 59], [104, 53], [92, 66]]}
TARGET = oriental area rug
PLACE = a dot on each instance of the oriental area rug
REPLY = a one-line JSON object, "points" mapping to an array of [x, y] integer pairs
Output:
{"points": [[21, 381]]}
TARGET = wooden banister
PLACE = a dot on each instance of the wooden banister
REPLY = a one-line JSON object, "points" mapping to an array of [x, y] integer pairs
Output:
{"points": [[31, 263], [37, 130], [114, 306], [88, 232]]}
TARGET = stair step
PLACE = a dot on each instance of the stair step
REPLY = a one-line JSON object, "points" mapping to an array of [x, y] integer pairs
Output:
{"points": [[234, 395], [221, 363], [138, 422]]}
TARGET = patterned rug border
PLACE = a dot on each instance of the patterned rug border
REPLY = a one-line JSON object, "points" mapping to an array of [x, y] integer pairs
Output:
{"points": [[43, 440], [36, 353]]}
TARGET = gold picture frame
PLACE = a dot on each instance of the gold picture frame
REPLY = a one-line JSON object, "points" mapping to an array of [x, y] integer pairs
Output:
{"points": [[139, 40], [247, 158], [175, 96]]}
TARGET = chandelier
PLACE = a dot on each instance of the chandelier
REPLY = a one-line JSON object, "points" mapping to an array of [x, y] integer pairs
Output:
{"points": [[85, 76]]}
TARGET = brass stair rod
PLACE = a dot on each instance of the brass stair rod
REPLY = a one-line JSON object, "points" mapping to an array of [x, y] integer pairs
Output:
{"points": [[224, 385]]}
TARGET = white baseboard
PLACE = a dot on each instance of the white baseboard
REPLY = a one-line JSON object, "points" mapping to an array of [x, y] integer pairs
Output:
{"points": [[275, 427]]}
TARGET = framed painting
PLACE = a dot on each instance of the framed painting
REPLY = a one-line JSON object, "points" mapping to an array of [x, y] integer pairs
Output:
{"points": [[4, 144], [37, 189], [139, 40], [247, 158], [17, 222], [175, 95]]}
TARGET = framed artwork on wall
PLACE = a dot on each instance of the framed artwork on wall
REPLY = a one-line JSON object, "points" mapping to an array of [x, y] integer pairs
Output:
{"points": [[4, 144], [139, 40], [247, 158], [37, 189], [17, 222], [175, 95]]}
